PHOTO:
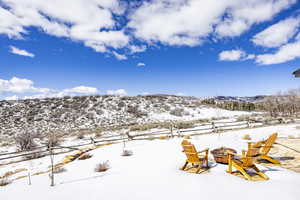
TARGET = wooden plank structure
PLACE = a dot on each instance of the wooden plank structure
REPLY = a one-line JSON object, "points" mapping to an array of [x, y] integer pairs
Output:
{"points": [[196, 159], [246, 161], [266, 147]]}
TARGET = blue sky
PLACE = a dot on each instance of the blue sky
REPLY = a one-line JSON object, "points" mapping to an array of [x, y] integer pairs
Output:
{"points": [[239, 48]]}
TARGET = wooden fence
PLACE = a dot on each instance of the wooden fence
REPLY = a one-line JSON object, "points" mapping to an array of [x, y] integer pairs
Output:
{"points": [[199, 129]]}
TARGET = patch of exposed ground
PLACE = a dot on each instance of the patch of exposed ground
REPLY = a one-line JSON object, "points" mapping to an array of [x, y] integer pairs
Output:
{"points": [[288, 152]]}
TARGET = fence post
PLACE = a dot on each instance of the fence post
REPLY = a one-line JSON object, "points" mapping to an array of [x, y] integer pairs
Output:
{"points": [[171, 129], [213, 127]]}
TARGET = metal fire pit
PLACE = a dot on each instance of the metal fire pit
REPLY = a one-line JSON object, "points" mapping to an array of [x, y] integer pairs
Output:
{"points": [[220, 154]]}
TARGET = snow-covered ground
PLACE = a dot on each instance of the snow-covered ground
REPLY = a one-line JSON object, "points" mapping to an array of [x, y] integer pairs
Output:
{"points": [[153, 173]]}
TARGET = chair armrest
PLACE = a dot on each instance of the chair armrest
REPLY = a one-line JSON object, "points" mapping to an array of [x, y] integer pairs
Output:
{"points": [[204, 151]]}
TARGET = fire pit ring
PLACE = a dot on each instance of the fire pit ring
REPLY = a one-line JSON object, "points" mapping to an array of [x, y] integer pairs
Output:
{"points": [[220, 154]]}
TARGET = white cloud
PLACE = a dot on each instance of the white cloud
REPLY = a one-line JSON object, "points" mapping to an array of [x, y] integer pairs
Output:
{"points": [[118, 92], [25, 86], [90, 22], [18, 85], [241, 15], [21, 52], [119, 56], [141, 64], [285, 53], [232, 55], [137, 49], [82, 90], [15, 97], [189, 22], [277, 34]]}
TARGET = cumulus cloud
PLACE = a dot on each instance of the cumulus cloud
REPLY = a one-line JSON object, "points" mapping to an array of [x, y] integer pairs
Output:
{"points": [[231, 55], [277, 34], [285, 53], [234, 55], [99, 24], [82, 90], [141, 64], [119, 56], [90, 22], [241, 15], [21, 52], [19, 85], [191, 21], [118, 92], [14, 97]]}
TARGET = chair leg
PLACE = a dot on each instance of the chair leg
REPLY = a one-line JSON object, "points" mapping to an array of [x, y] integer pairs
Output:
{"points": [[268, 158], [260, 173], [242, 170], [184, 166]]}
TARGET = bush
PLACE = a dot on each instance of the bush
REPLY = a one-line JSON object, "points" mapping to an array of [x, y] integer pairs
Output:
{"points": [[102, 167], [177, 112], [183, 125], [53, 140], [246, 137], [85, 156], [25, 141], [4, 181], [127, 153]]}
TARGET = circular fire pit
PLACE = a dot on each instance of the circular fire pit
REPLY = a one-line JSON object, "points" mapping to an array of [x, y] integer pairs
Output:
{"points": [[220, 154]]}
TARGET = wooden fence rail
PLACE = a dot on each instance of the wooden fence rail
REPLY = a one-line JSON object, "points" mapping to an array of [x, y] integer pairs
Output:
{"points": [[213, 127]]}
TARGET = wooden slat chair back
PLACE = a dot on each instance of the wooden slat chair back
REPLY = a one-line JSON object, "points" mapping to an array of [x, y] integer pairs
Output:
{"points": [[266, 147], [190, 152], [269, 143], [193, 157], [250, 156], [246, 161]]}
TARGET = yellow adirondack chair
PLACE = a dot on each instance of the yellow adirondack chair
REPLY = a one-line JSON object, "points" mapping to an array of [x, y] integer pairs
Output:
{"points": [[246, 161], [196, 159], [266, 147]]}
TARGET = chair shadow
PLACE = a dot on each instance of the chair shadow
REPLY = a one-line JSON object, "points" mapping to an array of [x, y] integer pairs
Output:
{"points": [[284, 158]]}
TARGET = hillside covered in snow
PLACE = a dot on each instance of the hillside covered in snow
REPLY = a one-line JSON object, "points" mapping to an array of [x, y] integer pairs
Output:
{"points": [[89, 112]]}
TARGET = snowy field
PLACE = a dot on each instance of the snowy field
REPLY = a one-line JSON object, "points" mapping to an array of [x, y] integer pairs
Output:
{"points": [[153, 173]]}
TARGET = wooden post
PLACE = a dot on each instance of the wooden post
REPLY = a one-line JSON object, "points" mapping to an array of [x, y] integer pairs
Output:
{"points": [[171, 129], [213, 126], [52, 160], [29, 173]]}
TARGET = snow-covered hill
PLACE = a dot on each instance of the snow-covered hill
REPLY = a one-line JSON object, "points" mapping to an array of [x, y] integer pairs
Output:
{"points": [[88, 112]]}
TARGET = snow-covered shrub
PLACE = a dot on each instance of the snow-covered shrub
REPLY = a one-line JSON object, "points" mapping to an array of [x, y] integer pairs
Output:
{"points": [[127, 153], [243, 118], [52, 140], [246, 137], [85, 156], [4, 181], [25, 140], [102, 167], [177, 112], [183, 125]]}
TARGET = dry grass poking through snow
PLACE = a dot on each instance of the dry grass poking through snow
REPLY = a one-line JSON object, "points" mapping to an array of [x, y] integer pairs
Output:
{"points": [[246, 137], [127, 153], [85, 156], [4, 181], [102, 167], [59, 170]]}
